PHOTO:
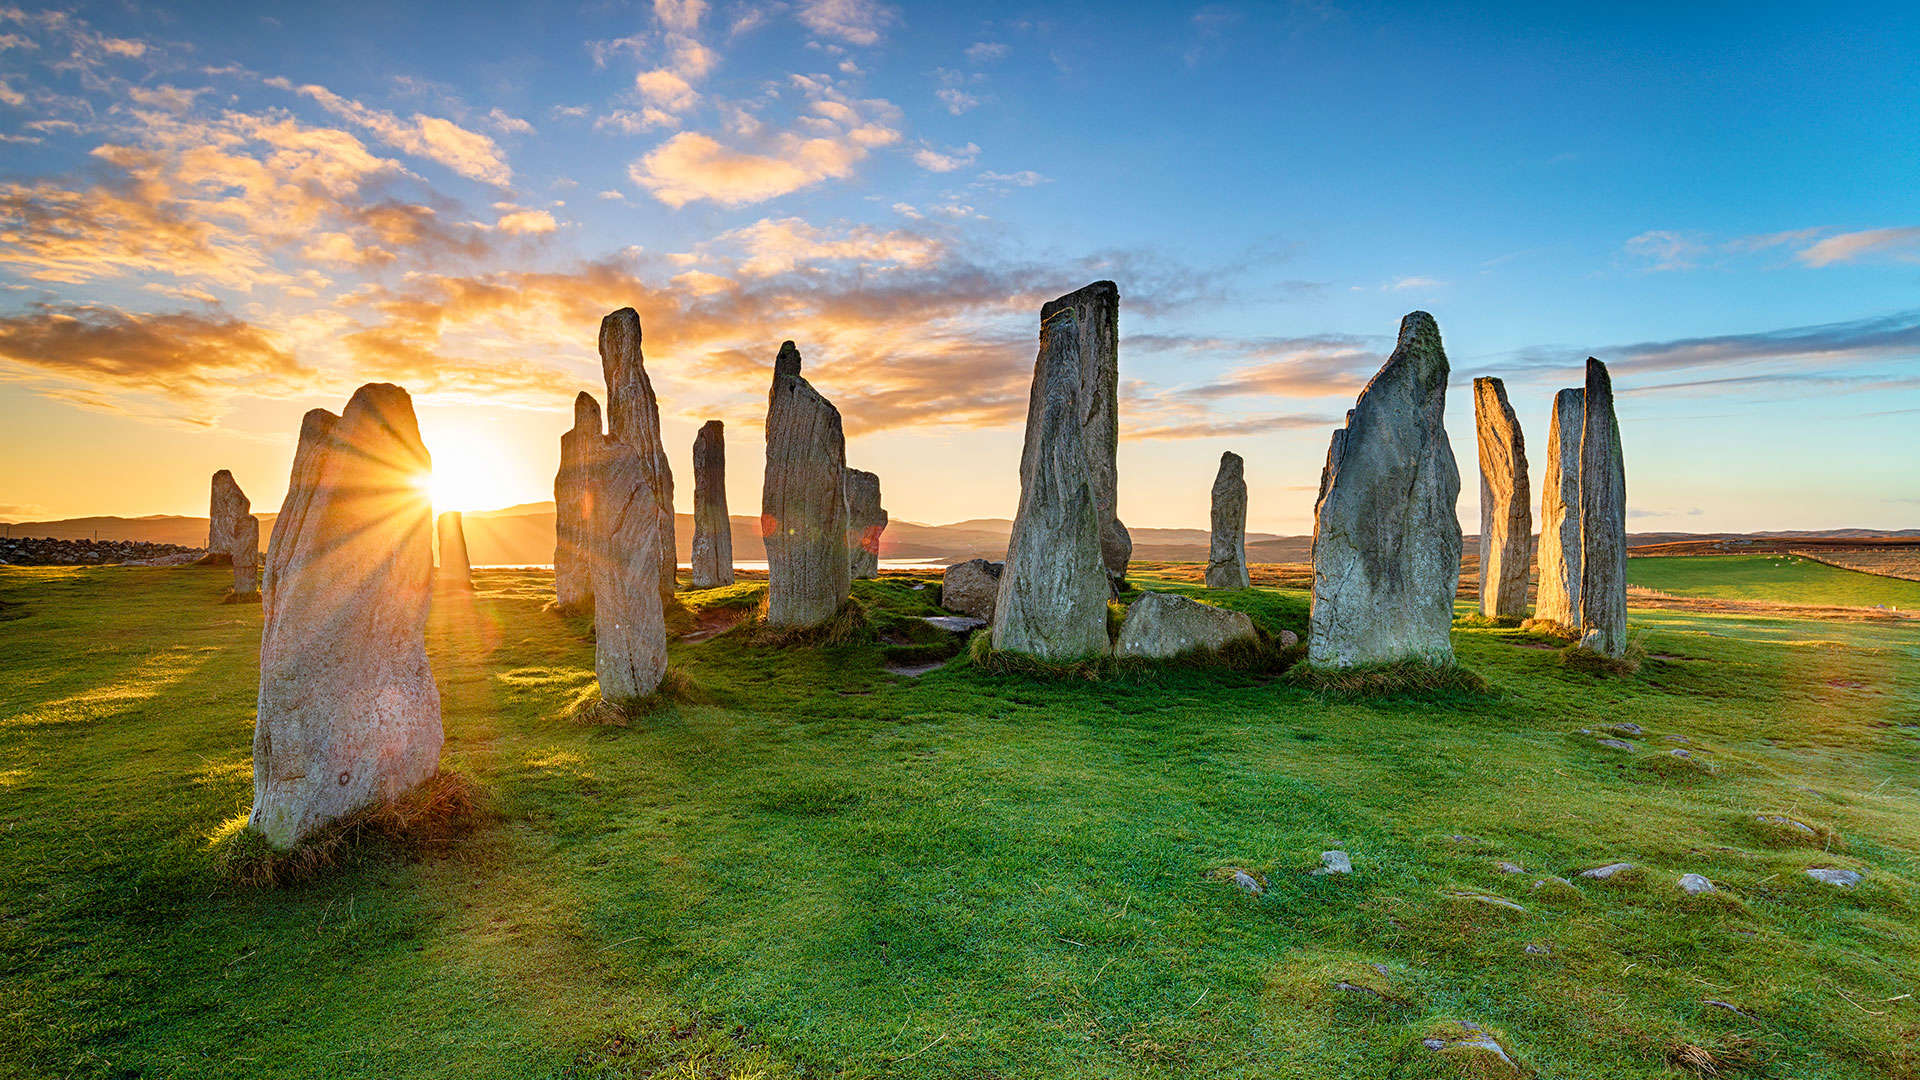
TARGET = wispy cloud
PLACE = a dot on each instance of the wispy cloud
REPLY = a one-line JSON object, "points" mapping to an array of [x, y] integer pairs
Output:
{"points": [[469, 153], [1901, 243], [858, 22]]}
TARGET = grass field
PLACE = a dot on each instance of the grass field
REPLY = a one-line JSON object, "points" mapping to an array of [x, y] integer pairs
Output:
{"points": [[1781, 578], [825, 869]]}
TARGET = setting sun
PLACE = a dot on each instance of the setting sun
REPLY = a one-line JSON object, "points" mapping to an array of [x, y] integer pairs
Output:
{"points": [[470, 470]]}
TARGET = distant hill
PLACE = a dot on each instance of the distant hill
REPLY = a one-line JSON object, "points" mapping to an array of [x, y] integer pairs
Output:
{"points": [[524, 535]]}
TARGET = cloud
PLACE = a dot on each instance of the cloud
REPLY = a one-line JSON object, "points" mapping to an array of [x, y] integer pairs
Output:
{"points": [[1317, 366], [526, 222], [1901, 243], [769, 247], [508, 124], [628, 122], [469, 153], [191, 358], [1403, 284], [956, 100], [1664, 249], [1023, 178], [858, 22], [945, 160], [981, 52]]}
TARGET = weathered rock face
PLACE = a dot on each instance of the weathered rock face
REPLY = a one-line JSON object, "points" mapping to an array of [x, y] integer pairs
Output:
{"points": [[1506, 503], [573, 507], [971, 587], [633, 417], [630, 636], [866, 520], [225, 508], [803, 504], [1096, 311], [246, 558], [1161, 626], [712, 530], [1559, 594], [1386, 542], [1603, 521], [1227, 554], [454, 567], [348, 715], [1053, 592]]}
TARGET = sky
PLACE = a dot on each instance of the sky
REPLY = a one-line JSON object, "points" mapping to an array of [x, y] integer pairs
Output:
{"points": [[216, 216]]}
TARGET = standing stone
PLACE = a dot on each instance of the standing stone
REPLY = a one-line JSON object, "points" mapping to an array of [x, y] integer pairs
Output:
{"points": [[1603, 521], [573, 508], [1386, 543], [971, 588], [866, 520], [712, 528], [1096, 310], [226, 506], [246, 560], [803, 503], [455, 569], [1053, 592], [1506, 504], [1227, 554], [348, 713], [1559, 599], [633, 417], [630, 634]]}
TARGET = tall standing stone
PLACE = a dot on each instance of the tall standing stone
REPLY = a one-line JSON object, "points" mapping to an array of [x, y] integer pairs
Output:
{"points": [[630, 636], [348, 713], [1227, 553], [573, 507], [455, 568], [633, 417], [1559, 593], [1386, 544], [246, 560], [803, 503], [1054, 589], [1603, 521], [1096, 310], [1506, 503], [226, 506], [866, 520], [712, 528]]}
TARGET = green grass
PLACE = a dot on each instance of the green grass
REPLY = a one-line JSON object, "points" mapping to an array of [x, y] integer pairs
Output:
{"points": [[1784, 579], [811, 866]]}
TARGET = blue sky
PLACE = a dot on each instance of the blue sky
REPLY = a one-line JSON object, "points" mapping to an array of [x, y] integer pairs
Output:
{"points": [[216, 218]]}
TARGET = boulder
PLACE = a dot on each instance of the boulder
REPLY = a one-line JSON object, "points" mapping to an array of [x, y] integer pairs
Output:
{"points": [[349, 715], [1160, 626], [1227, 551], [1506, 503], [866, 520], [246, 559], [630, 635], [573, 507], [1386, 542], [803, 505], [633, 417], [1054, 589], [971, 587], [1559, 591], [1096, 312], [1603, 521], [455, 569], [225, 507], [712, 529]]}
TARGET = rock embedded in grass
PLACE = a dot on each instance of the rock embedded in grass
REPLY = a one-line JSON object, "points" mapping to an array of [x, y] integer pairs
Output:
{"points": [[1844, 879], [1608, 872], [1053, 593], [1334, 862], [349, 715], [866, 520], [803, 505], [573, 507], [1227, 543], [1506, 502], [1616, 744], [1161, 626], [1695, 884], [1386, 542], [970, 588], [1506, 867], [1247, 883]]}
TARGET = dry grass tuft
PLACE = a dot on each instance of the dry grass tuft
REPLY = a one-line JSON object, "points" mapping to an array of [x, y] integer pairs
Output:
{"points": [[429, 818], [1575, 658], [1731, 1054], [676, 688], [1407, 677], [1547, 628], [847, 626]]}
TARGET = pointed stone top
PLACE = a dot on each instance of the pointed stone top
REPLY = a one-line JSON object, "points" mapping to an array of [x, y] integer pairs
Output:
{"points": [[1599, 390], [227, 473], [390, 402], [586, 413], [1099, 290], [618, 328], [1228, 457], [788, 362], [1492, 392], [714, 426], [447, 516], [1418, 330]]}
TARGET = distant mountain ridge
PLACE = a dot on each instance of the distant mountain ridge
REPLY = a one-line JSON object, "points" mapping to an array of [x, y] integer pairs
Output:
{"points": [[523, 534]]}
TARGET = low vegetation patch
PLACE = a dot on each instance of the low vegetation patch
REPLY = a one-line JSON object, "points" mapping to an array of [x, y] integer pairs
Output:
{"points": [[1575, 658], [847, 626], [676, 688], [428, 819], [1388, 680]]}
